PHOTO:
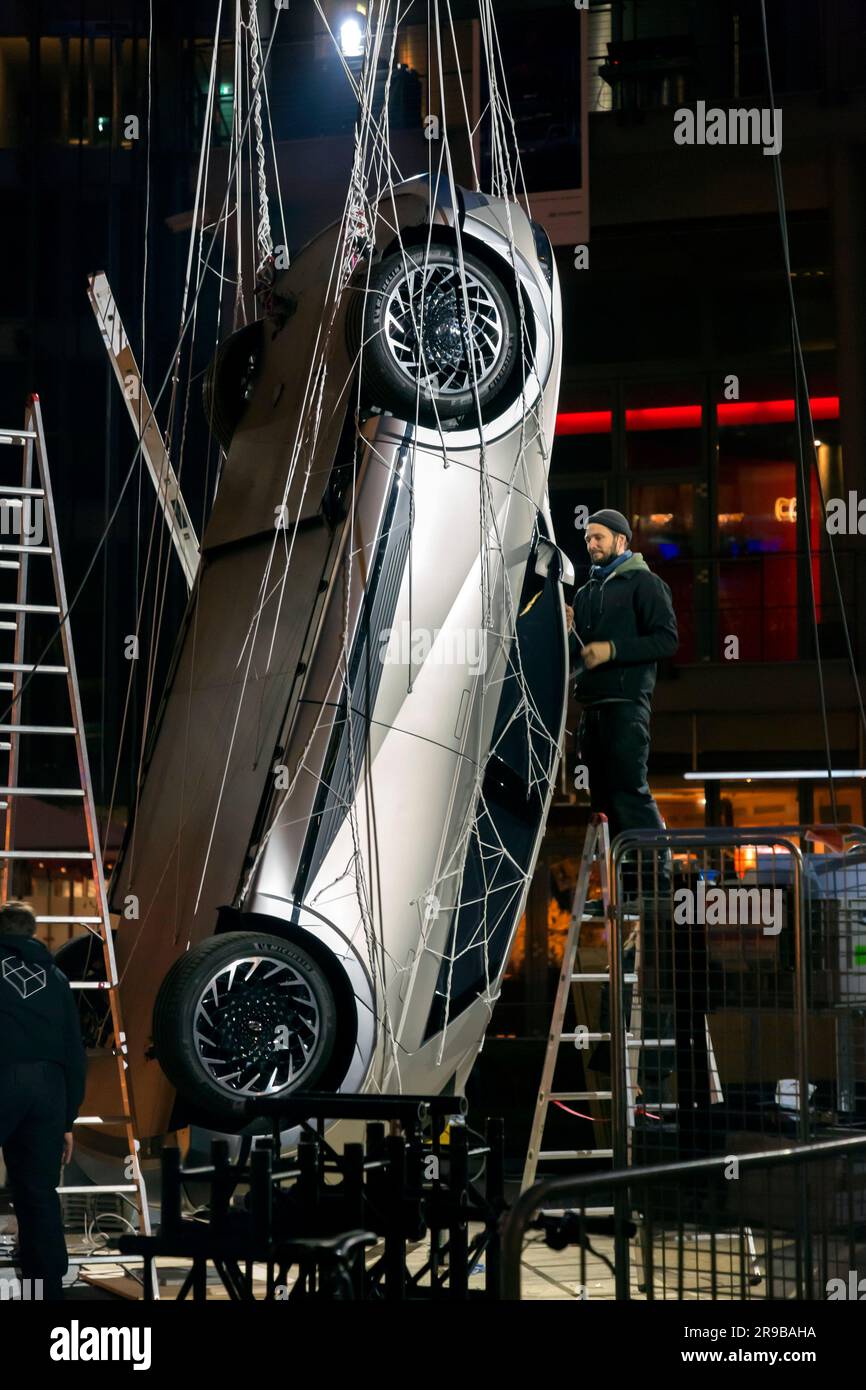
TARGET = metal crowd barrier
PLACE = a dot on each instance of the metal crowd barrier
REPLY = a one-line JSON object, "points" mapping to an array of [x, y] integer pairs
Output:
{"points": [[783, 1225], [736, 1018], [751, 963]]}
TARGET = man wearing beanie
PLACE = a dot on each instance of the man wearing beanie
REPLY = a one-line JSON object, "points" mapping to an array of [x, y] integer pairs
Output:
{"points": [[622, 623]]}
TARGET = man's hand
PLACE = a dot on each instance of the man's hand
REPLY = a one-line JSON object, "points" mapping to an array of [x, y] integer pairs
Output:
{"points": [[68, 1145], [595, 654], [569, 618]]}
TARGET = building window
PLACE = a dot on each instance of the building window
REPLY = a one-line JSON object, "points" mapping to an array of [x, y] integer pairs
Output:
{"points": [[772, 562], [759, 803], [757, 544], [682, 808], [15, 87], [662, 517], [849, 803], [545, 115]]}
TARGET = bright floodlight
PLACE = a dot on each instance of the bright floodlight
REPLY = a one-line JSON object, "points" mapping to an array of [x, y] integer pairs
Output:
{"points": [[352, 38]]}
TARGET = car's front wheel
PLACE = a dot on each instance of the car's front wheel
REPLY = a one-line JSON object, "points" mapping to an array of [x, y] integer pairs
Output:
{"points": [[243, 1016], [433, 334]]}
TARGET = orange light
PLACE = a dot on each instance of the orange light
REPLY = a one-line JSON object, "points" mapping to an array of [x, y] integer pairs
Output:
{"points": [[745, 858], [785, 509]]}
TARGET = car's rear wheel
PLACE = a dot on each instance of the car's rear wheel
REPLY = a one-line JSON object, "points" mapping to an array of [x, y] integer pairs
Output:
{"points": [[244, 1016], [431, 334]]}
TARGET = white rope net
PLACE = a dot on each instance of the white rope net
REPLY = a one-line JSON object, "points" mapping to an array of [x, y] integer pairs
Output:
{"points": [[480, 882]]}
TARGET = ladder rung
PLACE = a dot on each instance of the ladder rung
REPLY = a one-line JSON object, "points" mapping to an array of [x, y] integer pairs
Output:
{"points": [[5, 747], [28, 608], [9, 565], [21, 491], [6, 685], [606, 1037], [575, 1211], [34, 670], [584, 1037], [41, 791], [103, 1120], [115, 1258], [16, 436], [107, 1187], [8, 627], [45, 854], [35, 728], [560, 1155], [83, 920], [599, 977], [25, 549], [599, 917], [581, 1095]]}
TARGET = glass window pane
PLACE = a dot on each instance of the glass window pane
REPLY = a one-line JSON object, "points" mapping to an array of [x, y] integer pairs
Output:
{"points": [[759, 803], [662, 517], [681, 808], [849, 803], [757, 540]]}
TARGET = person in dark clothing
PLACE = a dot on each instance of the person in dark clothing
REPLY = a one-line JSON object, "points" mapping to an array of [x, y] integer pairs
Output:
{"points": [[621, 625], [42, 1076]]}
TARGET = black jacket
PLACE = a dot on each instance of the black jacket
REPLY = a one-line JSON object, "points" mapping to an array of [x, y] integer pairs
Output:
{"points": [[38, 1015], [632, 608]]}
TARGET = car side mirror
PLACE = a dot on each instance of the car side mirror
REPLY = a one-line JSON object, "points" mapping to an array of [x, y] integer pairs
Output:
{"points": [[553, 555]]}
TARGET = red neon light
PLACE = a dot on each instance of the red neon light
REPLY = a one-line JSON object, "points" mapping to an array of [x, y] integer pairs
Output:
{"points": [[585, 422], [665, 417], [688, 417], [774, 412]]}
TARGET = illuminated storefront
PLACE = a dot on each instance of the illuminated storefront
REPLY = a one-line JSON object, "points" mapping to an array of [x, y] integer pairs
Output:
{"points": [[711, 493]]}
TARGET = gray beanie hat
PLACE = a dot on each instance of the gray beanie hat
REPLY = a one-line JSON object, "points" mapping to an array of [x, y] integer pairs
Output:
{"points": [[614, 521]]}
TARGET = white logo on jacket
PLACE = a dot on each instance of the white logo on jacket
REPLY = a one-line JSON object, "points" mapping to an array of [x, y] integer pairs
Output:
{"points": [[27, 979]]}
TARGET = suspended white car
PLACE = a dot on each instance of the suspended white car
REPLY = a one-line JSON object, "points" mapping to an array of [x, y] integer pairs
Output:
{"points": [[349, 776]]}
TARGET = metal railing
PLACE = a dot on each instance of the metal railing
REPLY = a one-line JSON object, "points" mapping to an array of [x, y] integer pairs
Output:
{"points": [[760, 1240], [736, 1018]]}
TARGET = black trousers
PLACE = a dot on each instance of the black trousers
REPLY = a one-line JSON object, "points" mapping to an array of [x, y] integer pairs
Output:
{"points": [[32, 1124], [613, 743]]}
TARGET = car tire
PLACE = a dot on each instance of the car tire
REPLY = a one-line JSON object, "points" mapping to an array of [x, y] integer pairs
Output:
{"points": [[228, 381], [384, 323], [218, 1012]]}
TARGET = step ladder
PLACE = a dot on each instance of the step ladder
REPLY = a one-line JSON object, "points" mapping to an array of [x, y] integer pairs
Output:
{"points": [[596, 855], [35, 493], [572, 978]]}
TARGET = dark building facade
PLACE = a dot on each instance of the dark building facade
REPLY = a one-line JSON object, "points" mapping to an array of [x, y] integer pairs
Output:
{"points": [[677, 402]]}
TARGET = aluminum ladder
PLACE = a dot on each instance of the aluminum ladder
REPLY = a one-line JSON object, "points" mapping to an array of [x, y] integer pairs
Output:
{"points": [[596, 853], [35, 491]]}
